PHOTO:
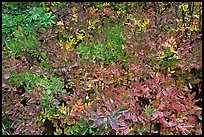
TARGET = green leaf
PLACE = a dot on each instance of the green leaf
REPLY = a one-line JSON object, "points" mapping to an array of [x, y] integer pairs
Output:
{"points": [[153, 110], [132, 18], [54, 79], [43, 120], [43, 54], [84, 131], [91, 131], [95, 21]]}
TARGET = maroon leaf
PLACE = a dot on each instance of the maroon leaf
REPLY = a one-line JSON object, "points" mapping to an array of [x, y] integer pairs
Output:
{"points": [[132, 67], [183, 129], [161, 106], [171, 124]]}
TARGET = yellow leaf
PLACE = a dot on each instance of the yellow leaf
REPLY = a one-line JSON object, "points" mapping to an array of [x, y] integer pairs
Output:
{"points": [[172, 50], [60, 23], [90, 86], [15, 80], [143, 25], [80, 36], [106, 4], [190, 86], [146, 21], [58, 130], [68, 47], [63, 109], [88, 105], [167, 44], [47, 9], [56, 115], [170, 71], [157, 74], [176, 57], [161, 55], [197, 16], [73, 9]]}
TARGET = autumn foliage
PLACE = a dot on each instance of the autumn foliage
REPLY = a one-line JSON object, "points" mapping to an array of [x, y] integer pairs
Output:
{"points": [[106, 68]]}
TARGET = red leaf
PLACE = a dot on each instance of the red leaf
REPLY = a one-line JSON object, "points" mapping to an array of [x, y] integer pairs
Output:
{"points": [[126, 131], [14, 89], [38, 109], [12, 117], [32, 95], [134, 118], [137, 55], [30, 122], [6, 76], [161, 106], [28, 109], [141, 52], [127, 115], [4, 85], [114, 125], [171, 124], [141, 119], [32, 100]]}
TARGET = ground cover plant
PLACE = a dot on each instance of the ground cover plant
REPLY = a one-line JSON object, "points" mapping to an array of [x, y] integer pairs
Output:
{"points": [[102, 68]]}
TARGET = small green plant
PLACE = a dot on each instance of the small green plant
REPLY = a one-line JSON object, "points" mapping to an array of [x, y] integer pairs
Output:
{"points": [[168, 56], [6, 125], [47, 88], [149, 111], [22, 42], [39, 19], [14, 14], [86, 127], [107, 50], [29, 18], [51, 88]]}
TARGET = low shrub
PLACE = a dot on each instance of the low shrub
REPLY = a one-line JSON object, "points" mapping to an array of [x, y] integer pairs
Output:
{"points": [[96, 72]]}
